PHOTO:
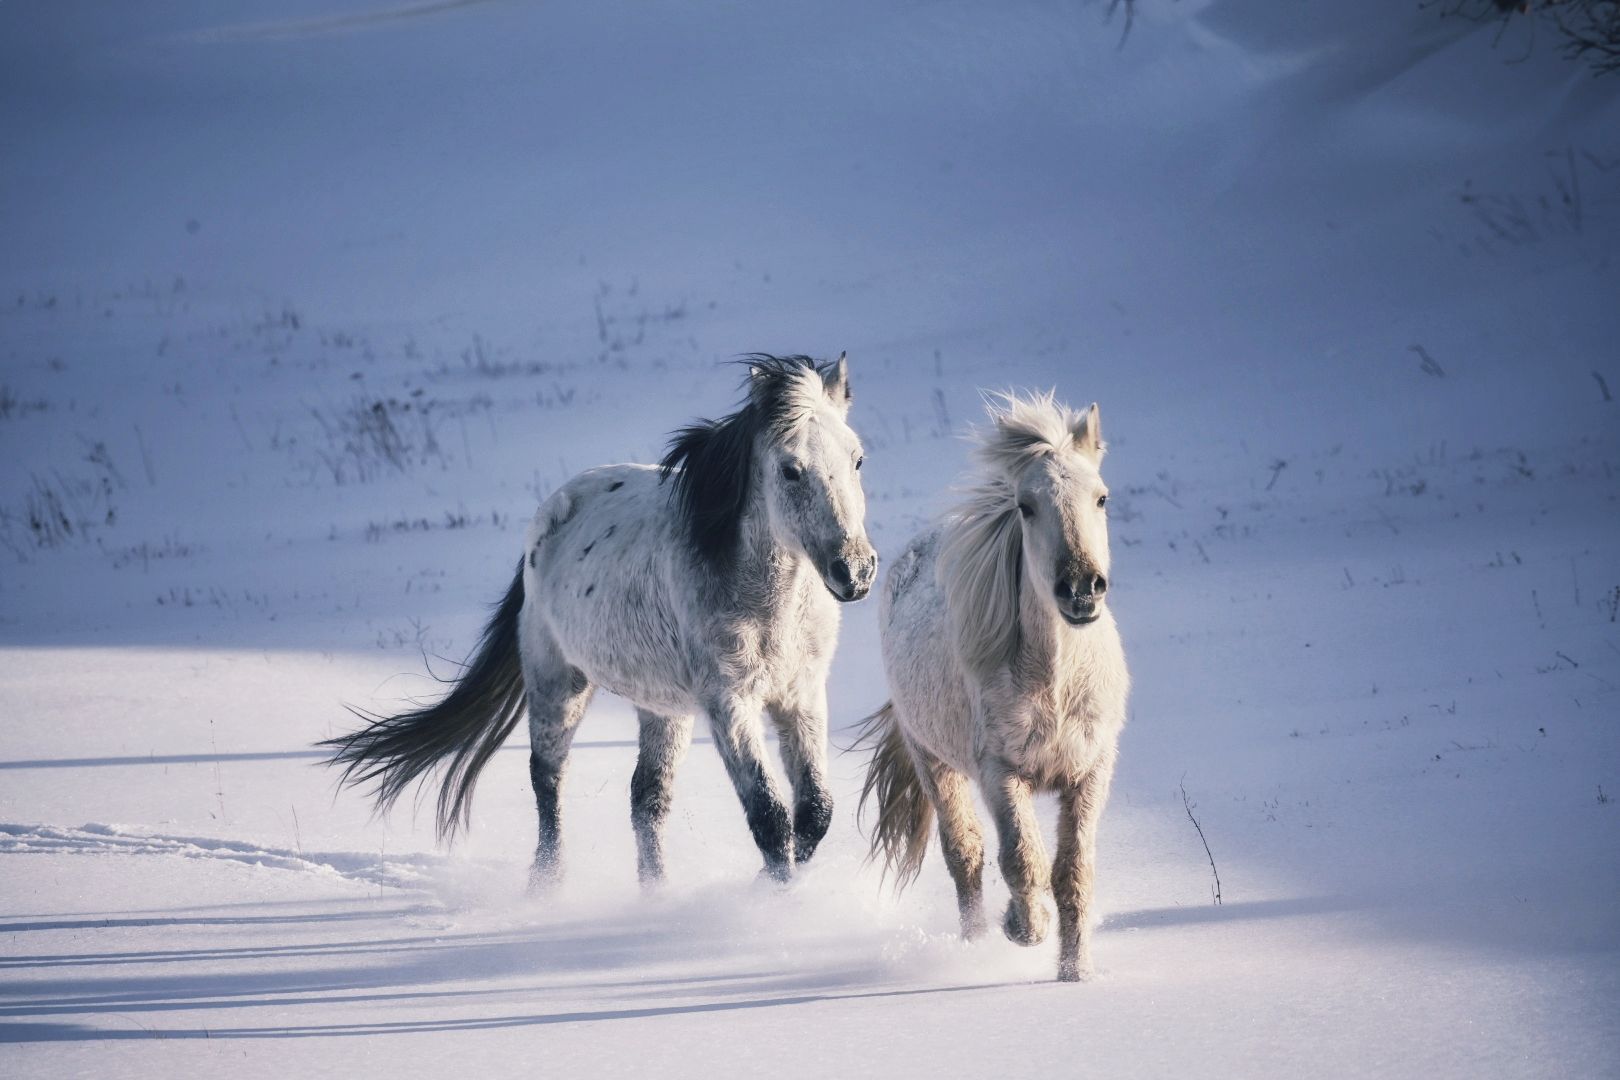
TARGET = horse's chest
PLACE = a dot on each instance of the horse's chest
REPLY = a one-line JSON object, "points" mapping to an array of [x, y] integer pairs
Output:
{"points": [[765, 655], [1056, 739]]}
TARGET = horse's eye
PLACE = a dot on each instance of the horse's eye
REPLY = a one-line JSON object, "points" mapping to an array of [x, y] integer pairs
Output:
{"points": [[859, 462], [1102, 501], [1026, 509], [791, 472]]}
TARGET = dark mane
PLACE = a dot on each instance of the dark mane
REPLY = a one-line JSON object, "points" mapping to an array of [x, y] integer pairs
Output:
{"points": [[712, 461]]}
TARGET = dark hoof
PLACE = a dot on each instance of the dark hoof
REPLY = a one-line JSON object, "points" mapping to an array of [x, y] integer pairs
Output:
{"points": [[1070, 970], [544, 879], [1025, 924], [804, 847], [811, 819]]}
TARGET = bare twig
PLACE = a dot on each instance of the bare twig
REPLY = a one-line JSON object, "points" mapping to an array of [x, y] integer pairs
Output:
{"points": [[1589, 29], [219, 783], [1186, 803], [146, 458], [1130, 17], [1430, 365], [942, 415]]}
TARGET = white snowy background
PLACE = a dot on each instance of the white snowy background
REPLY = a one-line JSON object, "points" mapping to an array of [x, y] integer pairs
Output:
{"points": [[303, 305]]}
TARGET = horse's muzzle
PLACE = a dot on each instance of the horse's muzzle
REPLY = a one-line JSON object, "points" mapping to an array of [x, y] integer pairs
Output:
{"points": [[850, 579], [1083, 618], [1080, 610], [1080, 601]]}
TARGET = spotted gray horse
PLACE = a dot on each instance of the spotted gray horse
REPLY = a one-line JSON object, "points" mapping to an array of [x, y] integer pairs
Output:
{"points": [[709, 583]]}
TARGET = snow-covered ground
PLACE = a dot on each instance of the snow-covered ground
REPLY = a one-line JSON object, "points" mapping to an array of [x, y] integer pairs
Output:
{"points": [[303, 305]]}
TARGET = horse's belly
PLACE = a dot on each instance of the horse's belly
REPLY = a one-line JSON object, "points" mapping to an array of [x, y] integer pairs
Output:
{"points": [[636, 659], [929, 693], [595, 582], [946, 735]]}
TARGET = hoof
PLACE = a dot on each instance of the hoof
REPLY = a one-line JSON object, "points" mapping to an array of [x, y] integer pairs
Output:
{"points": [[1025, 924], [804, 848], [544, 880], [974, 925], [650, 866], [1074, 970], [779, 872]]}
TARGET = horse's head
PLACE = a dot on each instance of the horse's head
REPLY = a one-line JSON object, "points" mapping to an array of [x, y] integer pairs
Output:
{"points": [[812, 485], [1034, 517], [1061, 498], [790, 447]]}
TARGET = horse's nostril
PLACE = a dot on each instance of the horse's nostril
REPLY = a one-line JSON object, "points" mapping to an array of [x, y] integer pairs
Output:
{"points": [[840, 572], [1085, 588]]}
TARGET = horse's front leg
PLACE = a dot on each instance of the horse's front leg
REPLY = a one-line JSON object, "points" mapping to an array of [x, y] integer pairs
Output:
{"points": [[1080, 809], [738, 735], [1023, 853], [802, 728]]}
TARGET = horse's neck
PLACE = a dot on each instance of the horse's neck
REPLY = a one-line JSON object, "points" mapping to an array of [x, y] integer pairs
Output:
{"points": [[765, 577], [1047, 647]]}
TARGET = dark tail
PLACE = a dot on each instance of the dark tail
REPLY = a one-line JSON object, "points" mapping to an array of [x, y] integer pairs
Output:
{"points": [[904, 814], [469, 725]]}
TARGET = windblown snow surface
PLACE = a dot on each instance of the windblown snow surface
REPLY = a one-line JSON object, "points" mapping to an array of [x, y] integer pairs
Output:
{"points": [[304, 305]]}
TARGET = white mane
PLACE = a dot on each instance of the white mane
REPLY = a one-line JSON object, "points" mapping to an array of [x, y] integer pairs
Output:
{"points": [[981, 557]]}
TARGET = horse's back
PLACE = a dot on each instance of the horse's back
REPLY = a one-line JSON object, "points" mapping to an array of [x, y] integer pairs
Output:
{"points": [[925, 678], [606, 505], [596, 583]]}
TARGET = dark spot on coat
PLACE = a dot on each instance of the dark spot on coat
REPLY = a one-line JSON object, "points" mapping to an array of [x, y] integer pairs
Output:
{"points": [[589, 589], [533, 555], [592, 545], [616, 485]]}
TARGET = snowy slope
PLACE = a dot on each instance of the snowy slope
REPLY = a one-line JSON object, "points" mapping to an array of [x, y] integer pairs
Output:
{"points": [[1341, 276]]}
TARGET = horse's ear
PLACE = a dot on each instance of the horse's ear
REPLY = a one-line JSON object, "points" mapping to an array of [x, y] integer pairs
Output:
{"points": [[836, 380], [1088, 434]]}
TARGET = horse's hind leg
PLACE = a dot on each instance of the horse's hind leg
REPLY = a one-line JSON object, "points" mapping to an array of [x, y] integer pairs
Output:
{"points": [[740, 740], [960, 837], [558, 694], [802, 731], [664, 740]]}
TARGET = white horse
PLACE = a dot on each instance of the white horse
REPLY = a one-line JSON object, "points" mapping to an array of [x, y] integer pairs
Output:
{"points": [[1005, 666], [709, 583]]}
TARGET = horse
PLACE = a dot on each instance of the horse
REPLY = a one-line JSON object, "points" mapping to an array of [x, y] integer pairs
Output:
{"points": [[1005, 666], [710, 582]]}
